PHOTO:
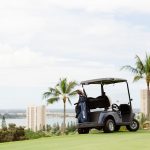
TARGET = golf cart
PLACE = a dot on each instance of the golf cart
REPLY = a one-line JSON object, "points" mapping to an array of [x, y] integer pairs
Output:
{"points": [[99, 113]]}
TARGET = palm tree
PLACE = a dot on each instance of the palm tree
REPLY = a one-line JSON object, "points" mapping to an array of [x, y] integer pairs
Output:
{"points": [[141, 71], [62, 91]]}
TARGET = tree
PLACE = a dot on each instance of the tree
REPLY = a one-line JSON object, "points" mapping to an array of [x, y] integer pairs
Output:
{"points": [[141, 71], [62, 91], [4, 126]]}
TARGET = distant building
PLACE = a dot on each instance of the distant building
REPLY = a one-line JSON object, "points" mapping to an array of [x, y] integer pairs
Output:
{"points": [[145, 103], [36, 117]]}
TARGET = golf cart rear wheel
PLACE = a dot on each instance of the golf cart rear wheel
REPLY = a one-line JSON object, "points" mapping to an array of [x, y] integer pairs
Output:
{"points": [[134, 126], [109, 126], [83, 130]]}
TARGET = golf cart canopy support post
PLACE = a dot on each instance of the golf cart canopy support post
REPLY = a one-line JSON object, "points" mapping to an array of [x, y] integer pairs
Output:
{"points": [[84, 90], [128, 93], [102, 89]]}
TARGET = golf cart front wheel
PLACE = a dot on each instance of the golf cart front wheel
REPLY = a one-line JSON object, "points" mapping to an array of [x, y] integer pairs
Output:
{"points": [[83, 130], [109, 126], [134, 126]]}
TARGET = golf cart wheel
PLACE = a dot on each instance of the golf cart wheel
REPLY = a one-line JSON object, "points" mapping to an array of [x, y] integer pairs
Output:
{"points": [[109, 126], [117, 128], [83, 130], [134, 126]]}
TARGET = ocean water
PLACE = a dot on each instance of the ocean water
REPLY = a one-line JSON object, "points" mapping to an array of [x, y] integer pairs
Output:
{"points": [[49, 120]]}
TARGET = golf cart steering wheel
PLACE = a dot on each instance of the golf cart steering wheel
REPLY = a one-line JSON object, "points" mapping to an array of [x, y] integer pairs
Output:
{"points": [[115, 107]]}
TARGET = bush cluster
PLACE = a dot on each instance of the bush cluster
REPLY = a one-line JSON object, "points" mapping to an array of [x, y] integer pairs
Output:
{"points": [[35, 135], [55, 130], [12, 133], [58, 130]]}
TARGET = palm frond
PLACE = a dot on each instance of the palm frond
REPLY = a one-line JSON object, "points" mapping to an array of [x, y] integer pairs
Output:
{"points": [[130, 68], [51, 90], [137, 77], [139, 65], [63, 85], [71, 85], [69, 101], [57, 91], [141, 70], [46, 95], [52, 100], [74, 93], [147, 64]]}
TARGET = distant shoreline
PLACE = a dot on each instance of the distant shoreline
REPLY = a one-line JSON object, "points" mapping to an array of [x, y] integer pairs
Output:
{"points": [[21, 114], [24, 110]]}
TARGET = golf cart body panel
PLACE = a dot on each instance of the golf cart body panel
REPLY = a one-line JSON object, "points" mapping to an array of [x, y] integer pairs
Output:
{"points": [[119, 115], [99, 118]]}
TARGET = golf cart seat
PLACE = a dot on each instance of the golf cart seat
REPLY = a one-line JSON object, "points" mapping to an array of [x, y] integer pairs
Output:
{"points": [[98, 102], [125, 109]]}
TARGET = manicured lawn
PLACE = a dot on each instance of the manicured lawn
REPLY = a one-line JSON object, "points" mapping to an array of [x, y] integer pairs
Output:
{"points": [[116, 141]]}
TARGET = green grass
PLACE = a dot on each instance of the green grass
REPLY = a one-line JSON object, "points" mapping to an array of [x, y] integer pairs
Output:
{"points": [[116, 141]]}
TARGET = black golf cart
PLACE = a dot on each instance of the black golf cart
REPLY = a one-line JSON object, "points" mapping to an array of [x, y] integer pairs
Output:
{"points": [[99, 113]]}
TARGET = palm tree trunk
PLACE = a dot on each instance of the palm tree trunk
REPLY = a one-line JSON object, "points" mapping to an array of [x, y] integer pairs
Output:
{"points": [[148, 85], [148, 101], [64, 122]]}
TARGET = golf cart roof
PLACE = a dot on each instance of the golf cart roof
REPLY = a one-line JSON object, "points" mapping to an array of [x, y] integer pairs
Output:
{"points": [[103, 81]]}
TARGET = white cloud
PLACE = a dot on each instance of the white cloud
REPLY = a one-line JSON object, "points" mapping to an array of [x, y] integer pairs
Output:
{"points": [[11, 58], [41, 41], [108, 6]]}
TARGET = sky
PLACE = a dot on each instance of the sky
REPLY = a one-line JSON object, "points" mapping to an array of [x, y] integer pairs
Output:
{"points": [[43, 41]]}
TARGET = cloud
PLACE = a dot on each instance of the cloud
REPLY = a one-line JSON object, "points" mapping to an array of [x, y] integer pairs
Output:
{"points": [[108, 6], [41, 41], [24, 67], [23, 57]]}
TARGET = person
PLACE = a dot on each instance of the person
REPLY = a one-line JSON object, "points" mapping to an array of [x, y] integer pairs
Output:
{"points": [[77, 108], [81, 108], [80, 92]]}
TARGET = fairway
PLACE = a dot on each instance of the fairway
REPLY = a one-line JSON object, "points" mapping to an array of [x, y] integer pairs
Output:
{"points": [[115, 141]]}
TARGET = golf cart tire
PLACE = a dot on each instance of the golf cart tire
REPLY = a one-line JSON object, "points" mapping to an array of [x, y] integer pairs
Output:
{"points": [[109, 126], [135, 126], [117, 128], [83, 130]]}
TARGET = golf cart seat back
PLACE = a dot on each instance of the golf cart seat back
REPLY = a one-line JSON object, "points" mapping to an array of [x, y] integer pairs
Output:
{"points": [[125, 109], [99, 102]]}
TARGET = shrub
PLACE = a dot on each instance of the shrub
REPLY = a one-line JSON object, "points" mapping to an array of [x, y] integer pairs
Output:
{"points": [[48, 127], [19, 134], [5, 136], [95, 131], [13, 133], [123, 128], [55, 130], [58, 132], [71, 127], [32, 135], [12, 126]]}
